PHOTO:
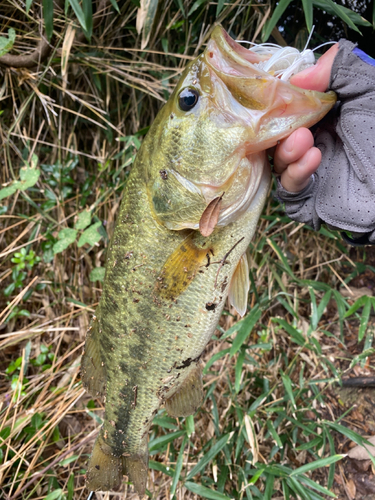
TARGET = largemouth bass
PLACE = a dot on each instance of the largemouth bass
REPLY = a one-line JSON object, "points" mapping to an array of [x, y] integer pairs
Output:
{"points": [[190, 208]]}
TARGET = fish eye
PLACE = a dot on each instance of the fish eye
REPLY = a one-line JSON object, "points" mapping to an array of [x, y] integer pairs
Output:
{"points": [[187, 99]]}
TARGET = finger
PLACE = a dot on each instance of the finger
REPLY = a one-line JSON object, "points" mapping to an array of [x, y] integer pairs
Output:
{"points": [[317, 77], [292, 149], [297, 175]]}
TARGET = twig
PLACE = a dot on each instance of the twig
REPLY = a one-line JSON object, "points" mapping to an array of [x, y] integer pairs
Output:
{"points": [[44, 48], [222, 262], [358, 382]]}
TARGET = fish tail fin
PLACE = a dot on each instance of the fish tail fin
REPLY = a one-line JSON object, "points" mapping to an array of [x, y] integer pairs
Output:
{"points": [[104, 471], [136, 467]]}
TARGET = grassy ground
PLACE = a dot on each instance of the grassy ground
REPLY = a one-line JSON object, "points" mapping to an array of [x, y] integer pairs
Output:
{"points": [[273, 424]]}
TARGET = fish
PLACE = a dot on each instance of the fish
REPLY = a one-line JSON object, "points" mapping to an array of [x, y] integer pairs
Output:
{"points": [[190, 208]]}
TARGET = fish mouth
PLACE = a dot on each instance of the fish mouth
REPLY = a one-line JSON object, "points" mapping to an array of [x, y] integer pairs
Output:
{"points": [[269, 108], [227, 55]]}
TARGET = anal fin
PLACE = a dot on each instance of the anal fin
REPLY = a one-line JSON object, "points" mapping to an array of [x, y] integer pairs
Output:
{"points": [[188, 398], [92, 367], [239, 286]]}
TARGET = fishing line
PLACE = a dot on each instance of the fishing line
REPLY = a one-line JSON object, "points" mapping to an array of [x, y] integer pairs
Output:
{"points": [[284, 62]]}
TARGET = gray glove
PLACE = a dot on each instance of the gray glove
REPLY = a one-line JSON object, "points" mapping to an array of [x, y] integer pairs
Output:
{"points": [[342, 191]]}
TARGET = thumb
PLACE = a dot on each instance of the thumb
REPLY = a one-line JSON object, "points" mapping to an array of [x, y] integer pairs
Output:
{"points": [[317, 77]]}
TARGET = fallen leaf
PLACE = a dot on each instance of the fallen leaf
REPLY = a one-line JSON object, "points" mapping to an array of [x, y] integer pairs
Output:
{"points": [[351, 488], [210, 216], [357, 415], [359, 452]]}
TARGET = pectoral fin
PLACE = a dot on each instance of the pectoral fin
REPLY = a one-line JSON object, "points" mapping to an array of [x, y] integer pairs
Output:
{"points": [[239, 286], [92, 368], [188, 398], [181, 267]]}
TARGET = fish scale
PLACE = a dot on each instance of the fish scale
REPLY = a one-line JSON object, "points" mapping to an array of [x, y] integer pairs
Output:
{"points": [[166, 284]]}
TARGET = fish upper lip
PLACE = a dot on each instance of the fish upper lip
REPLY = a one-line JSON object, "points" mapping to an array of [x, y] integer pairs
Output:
{"points": [[234, 59]]}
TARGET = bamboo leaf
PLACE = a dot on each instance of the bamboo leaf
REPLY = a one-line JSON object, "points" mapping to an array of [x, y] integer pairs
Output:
{"points": [[293, 332], [278, 12], [354, 16], [181, 7], [204, 492], [364, 319], [245, 329], [115, 6], [189, 424], [54, 495], [79, 13], [178, 468], [323, 304], [48, 17], [308, 10], [87, 12], [28, 5], [332, 7], [357, 304], [195, 6], [281, 256], [312, 484], [219, 8], [158, 443], [274, 433], [323, 462], [288, 389], [214, 358], [238, 370], [216, 448]]}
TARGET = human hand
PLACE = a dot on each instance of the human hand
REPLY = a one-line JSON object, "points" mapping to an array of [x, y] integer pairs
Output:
{"points": [[296, 158]]}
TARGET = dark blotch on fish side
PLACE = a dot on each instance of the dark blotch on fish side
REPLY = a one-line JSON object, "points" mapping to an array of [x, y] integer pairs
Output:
{"points": [[163, 174], [187, 363], [210, 306]]}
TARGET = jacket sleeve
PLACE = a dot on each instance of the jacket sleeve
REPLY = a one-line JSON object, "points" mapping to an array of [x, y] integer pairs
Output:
{"points": [[342, 191]]}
